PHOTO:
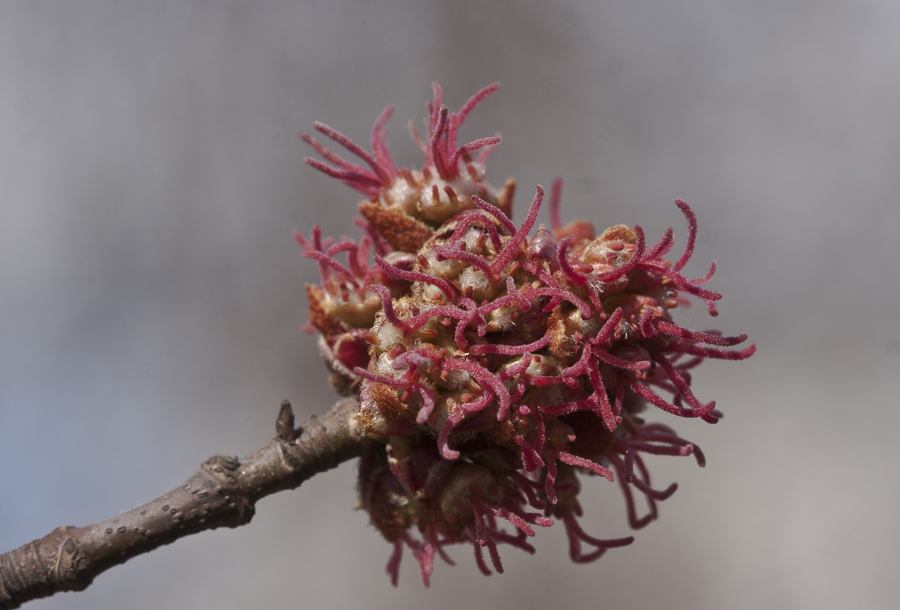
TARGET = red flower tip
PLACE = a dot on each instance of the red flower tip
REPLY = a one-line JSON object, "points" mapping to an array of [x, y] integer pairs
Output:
{"points": [[496, 364]]}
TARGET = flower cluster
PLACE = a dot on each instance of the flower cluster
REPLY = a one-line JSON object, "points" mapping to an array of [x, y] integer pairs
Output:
{"points": [[495, 363]]}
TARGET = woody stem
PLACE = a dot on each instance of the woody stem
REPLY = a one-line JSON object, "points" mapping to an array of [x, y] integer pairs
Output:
{"points": [[222, 493]]}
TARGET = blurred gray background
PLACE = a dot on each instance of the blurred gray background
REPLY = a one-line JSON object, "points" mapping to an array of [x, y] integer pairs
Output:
{"points": [[152, 298]]}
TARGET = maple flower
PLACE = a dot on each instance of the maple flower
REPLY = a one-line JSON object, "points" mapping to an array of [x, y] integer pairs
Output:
{"points": [[497, 364]]}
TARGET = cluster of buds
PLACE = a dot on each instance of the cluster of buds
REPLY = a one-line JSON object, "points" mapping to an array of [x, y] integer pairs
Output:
{"points": [[495, 364]]}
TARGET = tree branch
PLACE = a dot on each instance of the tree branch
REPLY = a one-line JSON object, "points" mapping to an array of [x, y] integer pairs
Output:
{"points": [[222, 493]]}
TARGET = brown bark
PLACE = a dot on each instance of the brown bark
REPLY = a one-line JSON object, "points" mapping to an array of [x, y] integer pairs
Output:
{"points": [[222, 493]]}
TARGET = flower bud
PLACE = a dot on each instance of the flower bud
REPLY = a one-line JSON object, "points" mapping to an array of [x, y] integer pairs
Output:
{"points": [[495, 363]]}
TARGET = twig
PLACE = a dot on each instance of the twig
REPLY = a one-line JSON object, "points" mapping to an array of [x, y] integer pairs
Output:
{"points": [[222, 493]]}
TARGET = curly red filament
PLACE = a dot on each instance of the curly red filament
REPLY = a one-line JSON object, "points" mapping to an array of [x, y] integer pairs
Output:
{"points": [[580, 367], [437, 155], [393, 564], [516, 369], [531, 459], [427, 403], [353, 256], [426, 393], [342, 163], [496, 213], [708, 276], [473, 145], [444, 435], [631, 263], [501, 302], [576, 536], [682, 386], [628, 365], [414, 134], [599, 397], [692, 234], [434, 106], [513, 246], [387, 306], [363, 184], [563, 261], [702, 337], [333, 264], [487, 151], [468, 107], [448, 311], [356, 149], [476, 260], [708, 296], [609, 327], [574, 460], [381, 246], [534, 269], [466, 219], [446, 287], [484, 377], [565, 295], [362, 256], [555, 201], [379, 143], [656, 400], [627, 478], [655, 494], [512, 291], [711, 352], [662, 247], [509, 350]]}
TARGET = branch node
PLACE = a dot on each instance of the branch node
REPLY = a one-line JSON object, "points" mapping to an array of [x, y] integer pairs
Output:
{"points": [[222, 468]]}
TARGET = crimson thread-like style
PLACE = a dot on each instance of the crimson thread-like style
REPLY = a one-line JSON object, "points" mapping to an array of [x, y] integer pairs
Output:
{"points": [[495, 363]]}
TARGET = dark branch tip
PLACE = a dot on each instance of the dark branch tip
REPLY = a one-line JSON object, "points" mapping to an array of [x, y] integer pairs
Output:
{"points": [[284, 424]]}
